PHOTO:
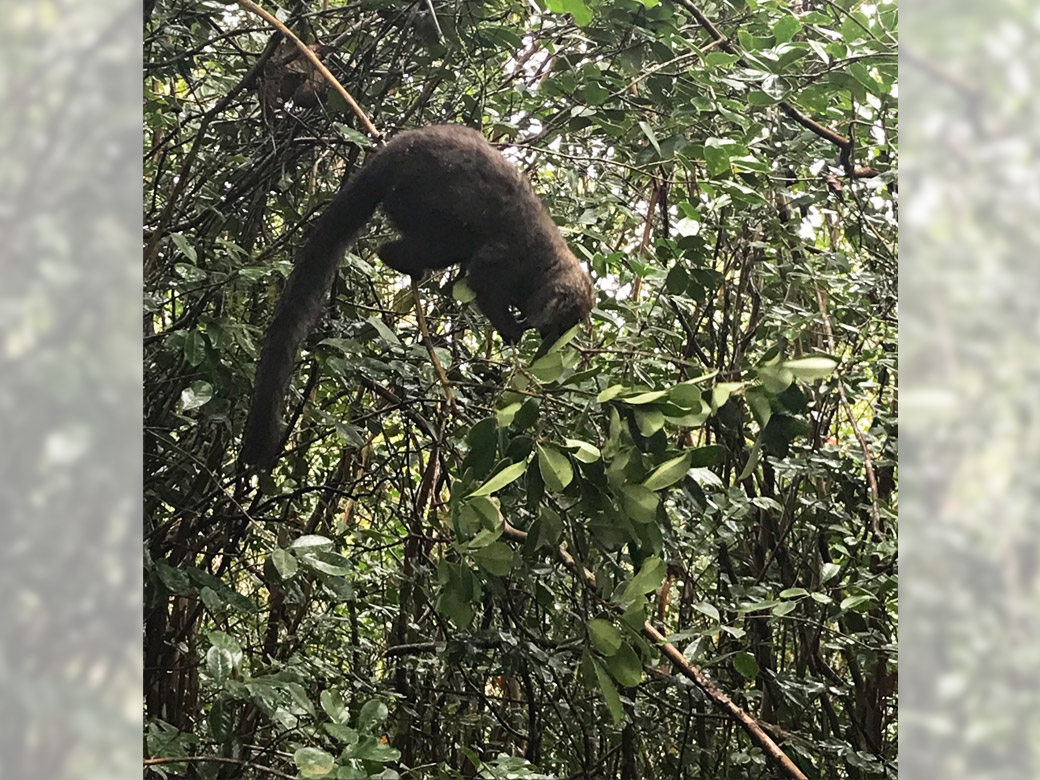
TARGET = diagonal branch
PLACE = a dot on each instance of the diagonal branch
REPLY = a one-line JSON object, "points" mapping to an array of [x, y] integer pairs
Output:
{"points": [[845, 145], [868, 459], [688, 670]]}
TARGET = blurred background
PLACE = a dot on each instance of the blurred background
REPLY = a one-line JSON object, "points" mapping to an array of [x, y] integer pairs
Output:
{"points": [[70, 389], [969, 401]]}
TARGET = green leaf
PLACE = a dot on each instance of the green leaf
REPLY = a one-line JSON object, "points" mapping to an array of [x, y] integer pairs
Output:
{"points": [[455, 607], [687, 395], [184, 247], [754, 457], [576, 8], [483, 434], [586, 453], [717, 59], [752, 43], [335, 707], [528, 414], [311, 542], [811, 368], [610, 694], [611, 392], [373, 750], [677, 280], [710, 455], [284, 563], [649, 133], [565, 339], [194, 347], [605, 637], [196, 394], [488, 509], [313, 762], [862, 74], [705, 478], [484, 511], [550, 527], [828, 572], [216, 595], [189, 273], [749, 163], [548, 368], [624, 666], [373, 714], [668, 473], [757, 97], [743, 193], [342, 733], [781, 432], [775, 378], [468, 521], [333, 564], [649, 420], [352, 135], [851, 602], [507, 475], [746, 665], [649, 578], [555, 468], [496, 558], [221, 720], [175, 580], [639, 503], [253, 272], [485, 537], [300, 698], [820, 51], [709, 610], [219, 664], [757, 606], [507, 414], [384, 332], [644, 398], [786, 28], [721, 392], [462, 292], [717, 158], [790, 593], [595, 94], [759, 404]]}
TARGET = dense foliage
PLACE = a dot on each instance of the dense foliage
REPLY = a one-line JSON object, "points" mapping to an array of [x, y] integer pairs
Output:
{"points": [[714, 452]]}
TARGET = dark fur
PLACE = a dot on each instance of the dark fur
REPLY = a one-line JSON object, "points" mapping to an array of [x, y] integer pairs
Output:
{"points": [[455, 200]]}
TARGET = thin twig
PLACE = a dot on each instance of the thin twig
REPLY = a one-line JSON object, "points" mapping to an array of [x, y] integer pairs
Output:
{"points": [[151, 250], [868, 460], [428, 342], [217, 760]]}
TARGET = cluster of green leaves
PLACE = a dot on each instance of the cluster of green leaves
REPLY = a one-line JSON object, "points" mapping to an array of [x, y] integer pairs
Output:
{"points": [[714, 451]]}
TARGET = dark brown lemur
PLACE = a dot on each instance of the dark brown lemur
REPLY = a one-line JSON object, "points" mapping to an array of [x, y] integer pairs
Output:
{"points": [[455, 200]]}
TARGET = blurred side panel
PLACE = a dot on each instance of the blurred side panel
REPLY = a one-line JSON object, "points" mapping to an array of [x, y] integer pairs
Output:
{"points": [[70, 397], [970, 400]]}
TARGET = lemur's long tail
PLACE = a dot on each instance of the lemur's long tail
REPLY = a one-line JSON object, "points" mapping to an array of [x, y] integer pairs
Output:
{"points": [[299, 307]]}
